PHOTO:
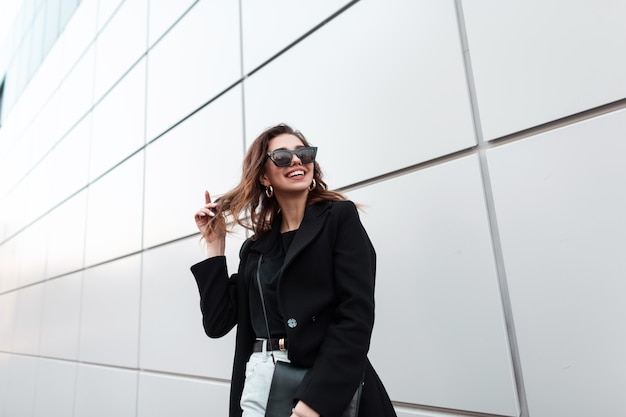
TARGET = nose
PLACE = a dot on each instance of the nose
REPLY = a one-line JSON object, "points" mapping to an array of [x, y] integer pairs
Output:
{"points": [[298, 161]]}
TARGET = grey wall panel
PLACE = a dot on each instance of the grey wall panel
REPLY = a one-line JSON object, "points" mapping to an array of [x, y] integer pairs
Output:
{"points": [[5, 359], [270, 26], [535, 61], [203, 153], [440, 337], [7, 320], [20, 388], [163, 14], [56, 381], [31, 259], [172, 337], [109, 325], [114, 212], [66, 236], [165, 396], [105, 392], [75, 95], [64, 170], [180, 79], [27, 328], [106, 10], [80, 31], [120, 44], [118, 122], [60, 322], [371, 105], [560, 205]]}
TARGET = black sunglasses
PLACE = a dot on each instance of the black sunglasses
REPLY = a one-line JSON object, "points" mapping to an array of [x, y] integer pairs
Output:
{"points": [[283, 157]]}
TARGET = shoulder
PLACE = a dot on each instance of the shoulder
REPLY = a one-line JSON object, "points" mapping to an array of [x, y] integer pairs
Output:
{"points": [[344, 207], [332, 208], [245, 248]]}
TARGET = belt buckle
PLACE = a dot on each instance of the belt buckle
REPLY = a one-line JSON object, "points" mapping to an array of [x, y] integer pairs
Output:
{"points": [[281, 345]]}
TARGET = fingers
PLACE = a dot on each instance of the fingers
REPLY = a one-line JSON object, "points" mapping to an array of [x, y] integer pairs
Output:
{"points": [[208, 210], [206, 213]]}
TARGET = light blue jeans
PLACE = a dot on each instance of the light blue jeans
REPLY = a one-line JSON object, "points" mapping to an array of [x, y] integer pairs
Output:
{"points": [[256, 388]]}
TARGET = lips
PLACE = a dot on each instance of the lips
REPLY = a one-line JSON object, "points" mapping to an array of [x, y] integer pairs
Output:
{"points": [[296, 173]]}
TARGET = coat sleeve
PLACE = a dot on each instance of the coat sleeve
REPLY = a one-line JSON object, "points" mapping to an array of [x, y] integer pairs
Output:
{"points": [[340, 364], [218, 293]]}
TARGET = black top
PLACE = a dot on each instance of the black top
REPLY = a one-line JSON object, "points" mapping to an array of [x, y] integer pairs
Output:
{"points": [[271, 266]]}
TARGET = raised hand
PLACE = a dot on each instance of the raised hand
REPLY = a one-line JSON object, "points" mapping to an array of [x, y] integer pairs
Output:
{"points": [[213, 233]]}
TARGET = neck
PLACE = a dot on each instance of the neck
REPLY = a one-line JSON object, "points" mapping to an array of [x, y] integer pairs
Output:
{"points": [[292, 212]]}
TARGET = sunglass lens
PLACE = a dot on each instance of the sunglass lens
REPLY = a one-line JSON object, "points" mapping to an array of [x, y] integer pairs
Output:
{"points": [[282, 158], [306, 155]]}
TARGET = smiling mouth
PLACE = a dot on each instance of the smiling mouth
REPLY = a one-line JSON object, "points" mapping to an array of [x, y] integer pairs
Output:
{"points": [[296, 174]]}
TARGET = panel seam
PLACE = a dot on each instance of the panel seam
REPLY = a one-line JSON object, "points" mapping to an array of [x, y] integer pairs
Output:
{"points": [[494, 231]]}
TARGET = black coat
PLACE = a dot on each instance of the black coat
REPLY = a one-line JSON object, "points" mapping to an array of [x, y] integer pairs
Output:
{"points": [[326, 297]]}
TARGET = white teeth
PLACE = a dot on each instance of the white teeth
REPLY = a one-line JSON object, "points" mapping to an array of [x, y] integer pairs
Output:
{"points": [[295, 173]]}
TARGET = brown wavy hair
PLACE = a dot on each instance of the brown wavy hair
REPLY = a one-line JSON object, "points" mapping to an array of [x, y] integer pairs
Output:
{"points": [[247, 205]]}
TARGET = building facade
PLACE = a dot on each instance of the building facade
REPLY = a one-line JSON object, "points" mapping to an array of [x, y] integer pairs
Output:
{"points": [[484, 139]]}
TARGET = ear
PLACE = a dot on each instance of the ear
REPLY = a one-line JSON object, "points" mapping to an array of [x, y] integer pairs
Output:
{"points": [[264, 180]]}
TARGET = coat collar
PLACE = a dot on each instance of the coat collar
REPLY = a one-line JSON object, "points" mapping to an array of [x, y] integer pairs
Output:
{"points": [[312, 223]]}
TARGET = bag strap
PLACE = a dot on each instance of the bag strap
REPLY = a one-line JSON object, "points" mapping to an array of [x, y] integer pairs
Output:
{"points": [[258, 282]]}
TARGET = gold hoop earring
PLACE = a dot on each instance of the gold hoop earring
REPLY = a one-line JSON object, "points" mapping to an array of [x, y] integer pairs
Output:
{"points": [[313, 185], [269, 191]]}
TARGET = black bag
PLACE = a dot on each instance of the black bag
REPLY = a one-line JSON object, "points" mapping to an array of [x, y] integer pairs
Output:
{"points": [[287, 377]]}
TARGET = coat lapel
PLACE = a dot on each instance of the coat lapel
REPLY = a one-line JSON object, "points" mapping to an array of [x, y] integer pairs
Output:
{"points": [[312, 223]]}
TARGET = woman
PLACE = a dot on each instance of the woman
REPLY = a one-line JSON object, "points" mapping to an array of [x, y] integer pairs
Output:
{"points": [[316, 266]]}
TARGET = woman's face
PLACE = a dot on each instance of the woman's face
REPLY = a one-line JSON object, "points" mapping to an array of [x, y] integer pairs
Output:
{"points": [[294, 178]]}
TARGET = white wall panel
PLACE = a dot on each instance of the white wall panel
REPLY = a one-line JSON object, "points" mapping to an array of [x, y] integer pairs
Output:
{"points": [[32, 257], [105, 392], [4, 376], [162, 14], [199, 58], [413, 412], [61, 317], [162, 396], [560, 203], [172, 336], [119, 122], [106, 11], [379, 88], [79, 32], [32, 207], [64, 170], [437, 293], [27, 329], [20, 393], [66, 236], [76, 93], [7, 320], [9, 257], [114, 212], [203, 153], [42, 134], [269, 26], [41, 85], [54, 394], [536, 61], [109, 326], [120, 44]]}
